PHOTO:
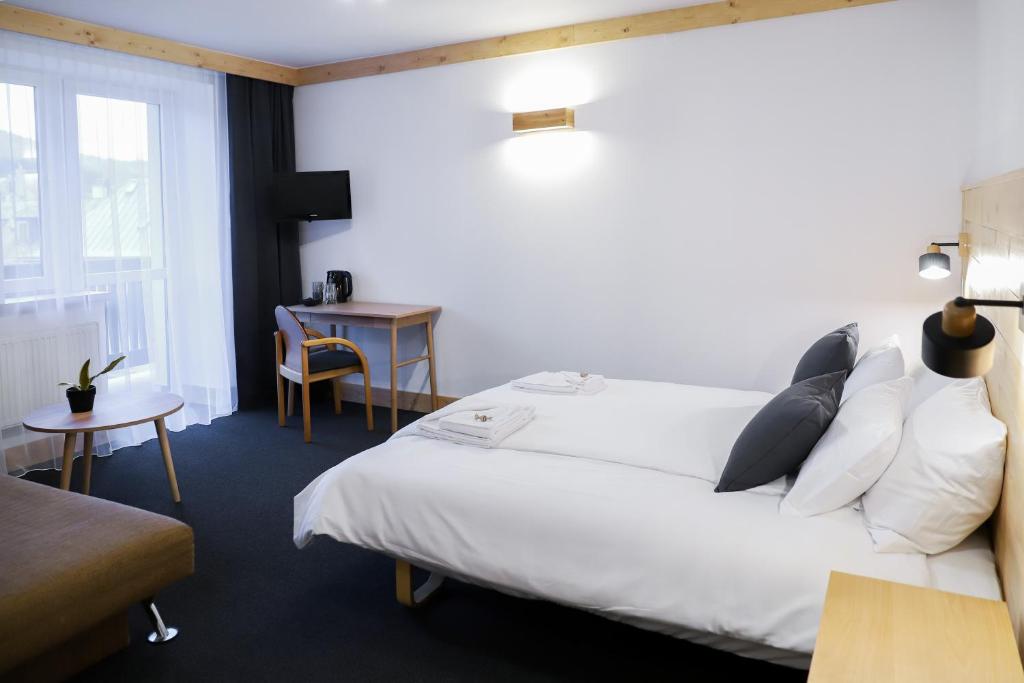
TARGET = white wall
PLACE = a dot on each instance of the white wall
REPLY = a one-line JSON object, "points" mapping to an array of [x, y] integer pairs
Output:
{"points": [[730, 194], [1000, 89]]}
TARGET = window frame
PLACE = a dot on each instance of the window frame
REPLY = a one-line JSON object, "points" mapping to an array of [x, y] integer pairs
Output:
{"points": [[149, 277], [72, 88], [43, 283]]}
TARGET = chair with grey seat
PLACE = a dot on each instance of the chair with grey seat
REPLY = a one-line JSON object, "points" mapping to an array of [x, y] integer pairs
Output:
{"points": [[305, 356]]}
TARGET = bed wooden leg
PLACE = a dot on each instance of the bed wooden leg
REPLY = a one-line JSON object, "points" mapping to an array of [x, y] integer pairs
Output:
{"points": [[404, 590]]}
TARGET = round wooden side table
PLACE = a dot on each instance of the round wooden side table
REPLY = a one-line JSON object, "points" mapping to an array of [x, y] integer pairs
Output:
{"points": [[111, 411]]}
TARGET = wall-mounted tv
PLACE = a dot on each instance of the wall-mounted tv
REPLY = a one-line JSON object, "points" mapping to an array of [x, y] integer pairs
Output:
{"points": [[311, 196]]}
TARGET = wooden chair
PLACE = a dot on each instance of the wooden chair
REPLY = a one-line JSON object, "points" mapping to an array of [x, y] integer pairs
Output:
{"points": [[300, 361]]}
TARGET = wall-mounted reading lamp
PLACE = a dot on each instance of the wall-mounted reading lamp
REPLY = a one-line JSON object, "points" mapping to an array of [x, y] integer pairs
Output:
{"points": [[547, 119], [933, 264], [957, 342]]}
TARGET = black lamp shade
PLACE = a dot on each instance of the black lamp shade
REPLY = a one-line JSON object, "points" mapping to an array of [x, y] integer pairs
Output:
{"points": [[958, 357], [933, 265]]}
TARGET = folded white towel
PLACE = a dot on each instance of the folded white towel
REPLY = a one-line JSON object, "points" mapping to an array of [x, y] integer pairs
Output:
{"points": [[586, 383], [460, 425], [487, 422], [547, 382], [560, 383]]}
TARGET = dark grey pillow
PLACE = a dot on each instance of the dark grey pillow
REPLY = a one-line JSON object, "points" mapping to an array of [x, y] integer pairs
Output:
{"points": [[834, 352], [780, 437]]}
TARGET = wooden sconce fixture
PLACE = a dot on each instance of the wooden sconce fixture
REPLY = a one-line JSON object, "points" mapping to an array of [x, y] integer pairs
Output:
{"points": [[548, 119]]}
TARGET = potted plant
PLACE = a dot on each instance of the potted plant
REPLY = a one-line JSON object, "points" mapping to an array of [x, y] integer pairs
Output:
{"points": [[82, 395]]}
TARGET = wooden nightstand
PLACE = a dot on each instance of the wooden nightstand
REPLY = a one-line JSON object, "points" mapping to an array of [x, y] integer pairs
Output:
{"points": [[879, 631]]}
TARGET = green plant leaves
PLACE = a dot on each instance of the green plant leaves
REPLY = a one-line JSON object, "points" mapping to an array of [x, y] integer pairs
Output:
{"points": [[84, 379], [83, 376], [105, 370]]}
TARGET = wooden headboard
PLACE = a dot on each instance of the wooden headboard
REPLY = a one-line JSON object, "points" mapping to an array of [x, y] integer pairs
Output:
{"points": [[993, 215]]}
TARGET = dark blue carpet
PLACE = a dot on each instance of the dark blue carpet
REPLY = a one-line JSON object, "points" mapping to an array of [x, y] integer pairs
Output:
{"points": [[258, 609]]}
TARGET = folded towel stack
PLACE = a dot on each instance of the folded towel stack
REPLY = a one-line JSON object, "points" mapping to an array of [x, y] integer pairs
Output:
{"points": [[560, 383], [485, 427]]}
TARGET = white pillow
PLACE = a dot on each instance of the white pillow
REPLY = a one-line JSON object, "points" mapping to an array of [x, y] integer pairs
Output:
{"points": [[882, 363], [854, 451], [946, 477], [926, 383]]}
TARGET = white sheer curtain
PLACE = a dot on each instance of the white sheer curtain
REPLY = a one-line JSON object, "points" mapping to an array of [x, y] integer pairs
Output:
{"points": [[115, 225]]}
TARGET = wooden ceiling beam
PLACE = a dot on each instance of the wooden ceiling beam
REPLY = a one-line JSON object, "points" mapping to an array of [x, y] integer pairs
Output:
{"points": [[724, 12], [586, 33], [44, 25]]}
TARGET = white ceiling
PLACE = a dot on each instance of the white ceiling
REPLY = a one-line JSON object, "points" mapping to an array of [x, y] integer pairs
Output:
{"points": [[307, 32]]}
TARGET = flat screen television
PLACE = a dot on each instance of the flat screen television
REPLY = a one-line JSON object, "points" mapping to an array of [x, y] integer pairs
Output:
{"points": [[311, 196]]}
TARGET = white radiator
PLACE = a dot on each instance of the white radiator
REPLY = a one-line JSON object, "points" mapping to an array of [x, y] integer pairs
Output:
{"points": [[32, 364]]}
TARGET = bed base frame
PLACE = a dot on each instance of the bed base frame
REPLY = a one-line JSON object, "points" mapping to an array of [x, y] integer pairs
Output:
{"points": [[404, 590]]}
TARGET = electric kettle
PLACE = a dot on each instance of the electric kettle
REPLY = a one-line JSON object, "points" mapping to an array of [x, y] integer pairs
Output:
{"points": [[342, 279]]}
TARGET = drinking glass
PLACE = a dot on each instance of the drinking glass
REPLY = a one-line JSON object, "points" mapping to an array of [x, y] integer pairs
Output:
{"points": [[331, 293], [318, 291]]}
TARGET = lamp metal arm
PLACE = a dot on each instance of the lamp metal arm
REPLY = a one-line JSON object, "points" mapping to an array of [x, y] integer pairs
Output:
{"points": [[946, 244], [963, 302]]}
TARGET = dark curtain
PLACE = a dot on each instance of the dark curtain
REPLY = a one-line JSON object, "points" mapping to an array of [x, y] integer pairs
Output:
{"points": [[264, 252]]}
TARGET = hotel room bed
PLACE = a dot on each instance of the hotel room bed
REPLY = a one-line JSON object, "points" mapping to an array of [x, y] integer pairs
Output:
{"points": [[606, 503]]}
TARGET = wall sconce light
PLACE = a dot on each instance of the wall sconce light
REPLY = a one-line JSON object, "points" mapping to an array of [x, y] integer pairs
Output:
{"points": [[957, 342], [933, 264], [547, 119]]}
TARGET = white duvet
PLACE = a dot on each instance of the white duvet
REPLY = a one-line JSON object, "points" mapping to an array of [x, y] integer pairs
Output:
{"points": [[606, 503]]}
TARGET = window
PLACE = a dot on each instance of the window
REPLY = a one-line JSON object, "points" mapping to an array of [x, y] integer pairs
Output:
{"points": [[21, 243], [119, 175], [119, 172], [114, 232]]}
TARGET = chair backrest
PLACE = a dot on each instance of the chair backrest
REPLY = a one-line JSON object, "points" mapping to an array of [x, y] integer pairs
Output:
{"points": [[294, 334]]}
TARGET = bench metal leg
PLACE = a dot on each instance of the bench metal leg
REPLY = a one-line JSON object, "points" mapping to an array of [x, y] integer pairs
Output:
{"points": [[161, 633], [404, 590]]}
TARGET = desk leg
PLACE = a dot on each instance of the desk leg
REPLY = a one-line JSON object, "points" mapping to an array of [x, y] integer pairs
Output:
{"points": [[69, 460], [165, 448], [430, 363], [394, 376], [87, 457]]}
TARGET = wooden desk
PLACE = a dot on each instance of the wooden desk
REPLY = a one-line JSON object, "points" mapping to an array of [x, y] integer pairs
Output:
{"points": [[879, 631], [391, 317], [111, 411]]}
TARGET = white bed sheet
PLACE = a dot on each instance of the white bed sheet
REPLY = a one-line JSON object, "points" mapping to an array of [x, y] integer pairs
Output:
{"points": [[639, 542]]}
